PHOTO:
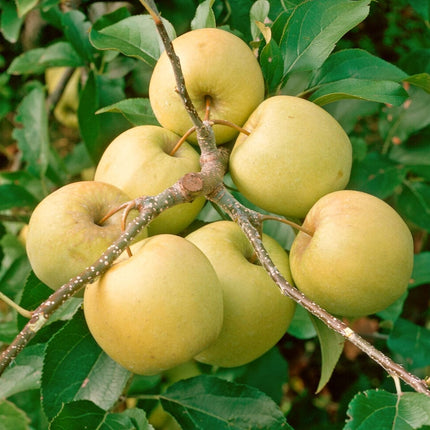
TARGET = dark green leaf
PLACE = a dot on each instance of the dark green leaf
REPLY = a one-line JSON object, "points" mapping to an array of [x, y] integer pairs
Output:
{"points": [[76, 28], [331, 344], [376, 175], [414, 203], [379, 409], [12, 195], [10, 22], [38, 60], [357, 64], [204, 16], [24, 374], [11, 417], [75, 368], [84, 414], [422, 7], [382, 91], [135, 36], [415, 151], [209, 403], [412, 342], [33, 138], [421, 271], [137, 111], [271, 65], [313, 29]]}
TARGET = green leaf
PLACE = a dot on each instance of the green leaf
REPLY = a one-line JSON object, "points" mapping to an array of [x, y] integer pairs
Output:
{"points": [[415, 151], [313, 29], [258, 13], [421, 80], [84, 414], [414, 203], [271, 65], [24, 374], [357, 64], [380, 409], [401, 122], [33, 138], [364, 89], [137, 111], [421, 271], [10, 22], [75, 368], [8, 330], [204, 16], [393, 312], [135, 36], [11, 417], [209, 403], [76, 28], [331, 344], [411, 341], [301, 326], [376, 175], [25, 6], [12, 195], [37, 60], [422, 7]]}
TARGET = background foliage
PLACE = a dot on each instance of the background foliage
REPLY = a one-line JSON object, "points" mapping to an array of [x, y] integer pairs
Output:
{"points": [[367, 63]]}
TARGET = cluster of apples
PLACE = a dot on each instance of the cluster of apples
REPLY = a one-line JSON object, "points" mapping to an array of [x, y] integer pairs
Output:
{"points": [[203, 296]]}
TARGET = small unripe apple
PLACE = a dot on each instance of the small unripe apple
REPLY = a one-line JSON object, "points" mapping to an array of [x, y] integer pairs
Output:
{"points": [[138, 162], [215, 64], [256, 314], [64, 232], [296, 153], [359, 258], [158, 308]]}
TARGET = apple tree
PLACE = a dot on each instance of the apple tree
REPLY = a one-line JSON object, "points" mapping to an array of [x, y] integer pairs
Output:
{"points": [[159, 272]]}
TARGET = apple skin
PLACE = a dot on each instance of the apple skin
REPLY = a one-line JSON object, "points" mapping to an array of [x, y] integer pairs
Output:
{"points": [[360, 257], [165, 305], [256, 314], [66, 110], [138, 162], [214, 63], [63, 236], [296, 153]]}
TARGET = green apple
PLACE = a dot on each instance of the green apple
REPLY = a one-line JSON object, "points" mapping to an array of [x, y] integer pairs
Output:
{"points": [[158, 308], [66, 109], [64, 234], [296, 152], [138, 162], [256, 314], [359, 258], [215, 64]]}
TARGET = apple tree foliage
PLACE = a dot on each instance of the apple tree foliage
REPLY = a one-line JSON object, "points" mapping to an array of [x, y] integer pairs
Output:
{"points": [[367, 63]]}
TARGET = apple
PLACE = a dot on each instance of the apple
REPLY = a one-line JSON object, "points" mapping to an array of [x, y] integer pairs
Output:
{"points": [[138, 162], [359, 258], [296, 152], [217, 65], [65, 111], [256, 314], [64, 234], [157, 309]]}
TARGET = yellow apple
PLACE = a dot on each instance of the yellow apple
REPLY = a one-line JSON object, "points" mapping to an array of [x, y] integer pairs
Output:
{"points": [[256, 314], [157, 309], [64, 234], [358, 260], [296, 153], [215, 64], [66, 109], [138, 162]]}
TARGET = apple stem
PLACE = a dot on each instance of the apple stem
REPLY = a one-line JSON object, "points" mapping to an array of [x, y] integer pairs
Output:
{"points": [[208, 100], [182, 140], [288, 222], [230, 124], [24, 312]]}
